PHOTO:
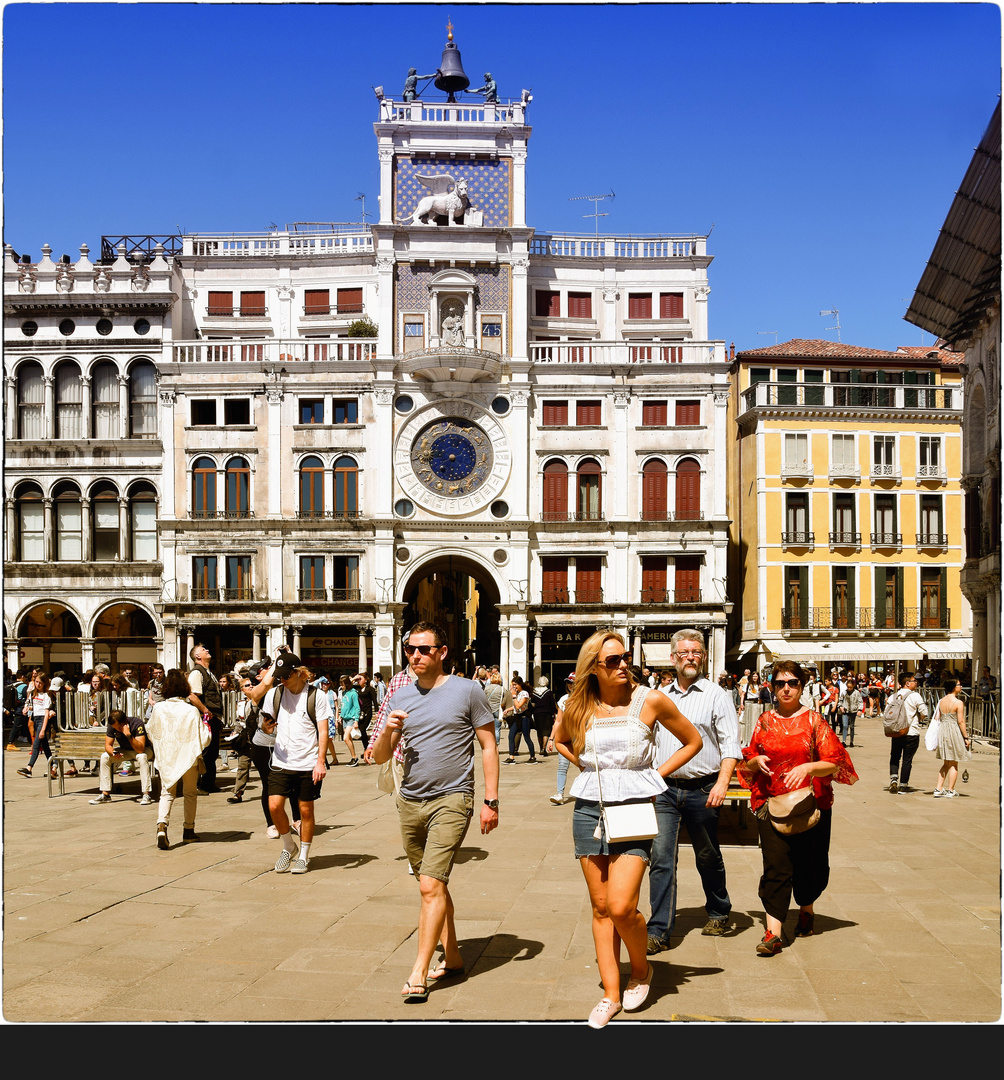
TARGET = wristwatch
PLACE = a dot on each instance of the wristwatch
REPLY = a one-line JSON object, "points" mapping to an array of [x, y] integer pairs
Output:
{"points": [[492, 804]]}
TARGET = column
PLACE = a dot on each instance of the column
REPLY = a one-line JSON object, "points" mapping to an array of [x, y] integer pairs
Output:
{"points": [[622, 469], [189, 632], [518, 490], [86, 653], [86, 409], [87, 543], [123, 406], [255, 644], [504, 669], [48, 408], [124, 552], [50, 537], [362, 648], [720, 435], [296, 638], [274, 396], [537, 647], [636, 647], [168, 501], [519, 188], [10, 550], [12, 418], [517, 643], [13, 649]]}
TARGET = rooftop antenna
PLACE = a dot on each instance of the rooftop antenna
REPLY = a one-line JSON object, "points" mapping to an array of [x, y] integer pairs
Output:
{"points": [[362, 198], [836, 314], [595, 200], [774, 332]]}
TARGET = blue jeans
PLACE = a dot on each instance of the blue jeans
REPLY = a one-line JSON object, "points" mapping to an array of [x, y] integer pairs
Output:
{"points": [[688, 805], [562, 774], [846, 727]]}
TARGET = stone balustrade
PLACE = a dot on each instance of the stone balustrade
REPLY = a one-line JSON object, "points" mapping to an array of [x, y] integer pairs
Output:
{"points": [[582, 246], [628, 352], [123, 276]]}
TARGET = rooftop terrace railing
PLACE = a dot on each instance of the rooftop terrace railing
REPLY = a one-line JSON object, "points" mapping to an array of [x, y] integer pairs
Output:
{"points": [[851, 395]]}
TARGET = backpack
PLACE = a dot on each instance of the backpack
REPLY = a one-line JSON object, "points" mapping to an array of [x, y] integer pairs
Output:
{"points": [[894, 720], [277, 697]]}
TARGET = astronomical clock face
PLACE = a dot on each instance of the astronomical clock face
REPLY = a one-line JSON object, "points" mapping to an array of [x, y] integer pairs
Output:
{"points": [[452, 461]]}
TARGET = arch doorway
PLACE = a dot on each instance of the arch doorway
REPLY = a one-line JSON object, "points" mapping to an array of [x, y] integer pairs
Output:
{"points": [[49, 636], [125, 634], [460, 595]]}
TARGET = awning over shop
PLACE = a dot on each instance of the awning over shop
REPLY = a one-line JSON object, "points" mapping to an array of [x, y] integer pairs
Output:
{"points": [[780, 649], [956, 649], [843, 650], [740, 650], [658, 653]]}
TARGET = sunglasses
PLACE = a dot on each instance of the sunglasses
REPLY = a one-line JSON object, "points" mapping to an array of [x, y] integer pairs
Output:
{"points": [[617, 659], [787, 682], [425, 650]]}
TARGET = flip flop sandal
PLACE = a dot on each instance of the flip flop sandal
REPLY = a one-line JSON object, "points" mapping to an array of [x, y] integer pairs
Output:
{"points": [[414, 994], [444, 972]]}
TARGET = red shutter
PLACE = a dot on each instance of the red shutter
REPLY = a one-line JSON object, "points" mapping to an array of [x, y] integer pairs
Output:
{"points": [[654, 487], [639, 305], [688, 413], [587, 413], [653, 579], [688, 579], [671, 305], [252, 303], [221, 303], [587, 580], [555, 491], [580, 305], [555, 414], [688, 490], [316, 302], [547, 304], [654, 414], [350, 301], [555, 580]]}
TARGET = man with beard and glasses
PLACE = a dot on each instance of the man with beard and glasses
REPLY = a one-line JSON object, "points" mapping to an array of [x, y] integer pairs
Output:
{"points": [[694, 794]]}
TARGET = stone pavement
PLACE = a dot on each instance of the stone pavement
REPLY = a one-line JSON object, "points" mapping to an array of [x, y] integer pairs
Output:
{"points": [[99, 925]]}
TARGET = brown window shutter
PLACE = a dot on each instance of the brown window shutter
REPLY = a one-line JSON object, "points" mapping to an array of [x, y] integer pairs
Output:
{"points": [[639, 306], [580, 305], [555, 414], [653, 579], [671, 305], [221, 303], [587, 413], [654, 487], [555, 579], [688, 579], [252, 303], [350, 301], [547, 304], [555, 491], [588, 589], [316, 302], [688, 490], [688, 413], [654, 413]]}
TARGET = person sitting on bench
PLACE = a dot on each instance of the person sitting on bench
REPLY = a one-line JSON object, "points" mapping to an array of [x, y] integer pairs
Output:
{"points": [[125, 739]]}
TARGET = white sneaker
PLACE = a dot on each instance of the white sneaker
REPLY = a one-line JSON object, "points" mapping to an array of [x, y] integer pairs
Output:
{"points": [[603, 1013], [637, 991], [299, 867], [939, 793], [557, 798], [272, 832], [950, 794]]}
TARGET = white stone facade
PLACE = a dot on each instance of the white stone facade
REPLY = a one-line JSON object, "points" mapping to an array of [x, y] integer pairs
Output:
{"points": [[542, 413]]}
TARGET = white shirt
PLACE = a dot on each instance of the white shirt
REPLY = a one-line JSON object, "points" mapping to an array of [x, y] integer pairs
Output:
{"points": [[709, 708], [295, 733]]}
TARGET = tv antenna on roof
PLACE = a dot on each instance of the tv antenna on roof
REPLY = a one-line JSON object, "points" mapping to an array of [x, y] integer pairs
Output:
{"points": [[774, 332], [362, 198], [595, 200], [836, 314]]}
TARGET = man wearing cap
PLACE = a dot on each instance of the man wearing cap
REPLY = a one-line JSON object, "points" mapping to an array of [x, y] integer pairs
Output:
{"points": [[559, 795], [694, 794], [439, 714], [297, 767], [208, 699]]}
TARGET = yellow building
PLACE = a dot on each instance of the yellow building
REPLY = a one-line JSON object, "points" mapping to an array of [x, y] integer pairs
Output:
{"points": [[847, 512]]}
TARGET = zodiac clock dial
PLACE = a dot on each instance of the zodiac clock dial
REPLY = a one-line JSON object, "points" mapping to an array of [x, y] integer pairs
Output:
{"points": [[452, 457]]}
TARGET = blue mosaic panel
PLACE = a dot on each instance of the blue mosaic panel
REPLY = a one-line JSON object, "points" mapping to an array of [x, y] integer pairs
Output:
{"points": [[488, 186], [493, 289], [413, 287]]}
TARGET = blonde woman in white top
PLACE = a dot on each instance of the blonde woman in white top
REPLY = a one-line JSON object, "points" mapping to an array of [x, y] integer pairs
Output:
{"points": [[609, 721]]}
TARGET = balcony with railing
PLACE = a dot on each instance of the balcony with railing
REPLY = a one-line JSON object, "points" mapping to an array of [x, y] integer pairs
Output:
{"points": [[816, 395], [842, 470], [796, 470], [931, 472], [887, 540], [798, 538], [865, 618], [670, 596], [885, 472], [650, 514], [932, 540], [845, 540], [328, 515], [294, 351], [221, 515], [299, 238], [443, 112], [560, 594], [331, 596], [627, 352], [572, 515], [218, 594], [589, 246]]}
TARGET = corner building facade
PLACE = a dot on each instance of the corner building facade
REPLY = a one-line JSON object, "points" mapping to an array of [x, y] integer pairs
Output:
{"points": [[529, 444]]}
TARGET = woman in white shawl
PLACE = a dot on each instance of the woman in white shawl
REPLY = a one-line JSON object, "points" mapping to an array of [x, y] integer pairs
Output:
{"points": [[179, 737]]}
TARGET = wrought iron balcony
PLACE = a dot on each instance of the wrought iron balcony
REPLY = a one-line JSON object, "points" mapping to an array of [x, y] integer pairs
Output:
{"points": [[670, 596], [932, 540], [572, 515], [865, 618], [845, 539], [798, 539], [885, 472], [887, 540], [242, 592], [312, 594], [228, 515], [589, 596], [931, 472], [322, 595], [649, 514], [327, 515], [554, 596]]}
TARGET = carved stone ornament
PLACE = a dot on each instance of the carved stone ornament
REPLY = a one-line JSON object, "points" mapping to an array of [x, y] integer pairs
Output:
{"points": [[622, 397], [702, 292], [285, 292], [519, 398], [521, 266], [384, 395], [168, 398], [27, 282], [448, 199], [274, 394], [611, 296], [140, 281], [102, 282], [384, 264], [64, 283], [452, 327], [722, 397]]}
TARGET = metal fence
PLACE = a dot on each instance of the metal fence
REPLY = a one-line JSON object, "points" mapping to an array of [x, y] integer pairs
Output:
{"points": [[84, 711]]}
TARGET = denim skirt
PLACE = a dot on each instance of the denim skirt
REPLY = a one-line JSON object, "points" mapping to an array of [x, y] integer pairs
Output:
{"points": [[585, 818]]}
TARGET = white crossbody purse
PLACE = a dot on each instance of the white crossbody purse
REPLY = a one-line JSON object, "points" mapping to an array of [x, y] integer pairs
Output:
{"points": [[623, 822]]}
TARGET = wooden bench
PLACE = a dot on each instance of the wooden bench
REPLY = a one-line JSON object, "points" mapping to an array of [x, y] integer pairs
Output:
{"points": [[87, 745], [739, 797]]}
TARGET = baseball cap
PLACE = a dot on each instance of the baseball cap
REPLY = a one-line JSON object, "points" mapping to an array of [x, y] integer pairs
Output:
{"points": [[570, 678], [286, 663], [56, 684]]}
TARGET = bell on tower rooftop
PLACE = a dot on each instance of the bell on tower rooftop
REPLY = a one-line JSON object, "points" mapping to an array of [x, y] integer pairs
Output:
{"points": [[451, 77]]}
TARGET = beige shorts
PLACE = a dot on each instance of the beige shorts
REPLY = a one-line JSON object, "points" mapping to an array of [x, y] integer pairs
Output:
{"points": [[432, 831]]}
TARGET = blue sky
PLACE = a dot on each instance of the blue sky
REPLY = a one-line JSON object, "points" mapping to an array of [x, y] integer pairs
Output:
{"points": [[823, 141]]}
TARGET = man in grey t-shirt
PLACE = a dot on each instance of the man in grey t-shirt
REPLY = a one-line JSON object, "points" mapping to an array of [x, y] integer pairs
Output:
{"points": [[441, 716]]}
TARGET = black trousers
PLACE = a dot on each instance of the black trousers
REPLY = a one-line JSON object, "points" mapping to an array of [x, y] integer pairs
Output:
{"points": [[798, 865], [211, 754], [903, 748]]}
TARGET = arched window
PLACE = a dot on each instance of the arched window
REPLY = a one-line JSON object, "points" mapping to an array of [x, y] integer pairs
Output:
{"points": [[654, 486], [105, 406], [69, 523], [30, 401], [312, 487], [204, 488], [555, 500], [105, 522], [143, 523], [238, 480], [69, 402], [346, 487], [688, 490], [588, 507], [143, 400], [30, 524]]}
